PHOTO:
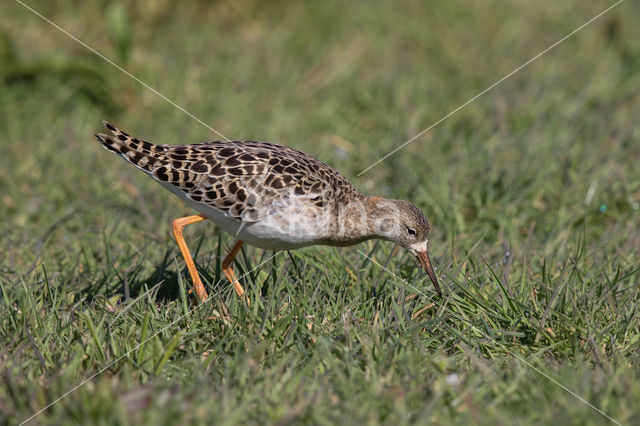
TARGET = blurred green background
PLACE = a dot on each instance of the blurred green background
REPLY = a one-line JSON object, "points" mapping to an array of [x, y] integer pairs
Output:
{"points": [[533, 191]]}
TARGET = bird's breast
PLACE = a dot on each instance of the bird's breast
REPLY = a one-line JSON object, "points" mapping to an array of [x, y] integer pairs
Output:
{"points": [[287, 226]]}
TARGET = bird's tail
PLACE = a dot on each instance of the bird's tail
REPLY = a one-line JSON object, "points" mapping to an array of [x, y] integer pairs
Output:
{"points": [[142, 154]]}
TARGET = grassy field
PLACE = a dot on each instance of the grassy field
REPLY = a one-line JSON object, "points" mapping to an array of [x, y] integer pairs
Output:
{"points": [[533, 191]]}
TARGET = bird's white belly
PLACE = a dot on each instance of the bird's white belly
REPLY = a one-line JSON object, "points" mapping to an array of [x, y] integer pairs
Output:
{"points": [[287, 228]]}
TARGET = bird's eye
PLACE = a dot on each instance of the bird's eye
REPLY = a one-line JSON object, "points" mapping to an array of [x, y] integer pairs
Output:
{"points": [[411, 231]]}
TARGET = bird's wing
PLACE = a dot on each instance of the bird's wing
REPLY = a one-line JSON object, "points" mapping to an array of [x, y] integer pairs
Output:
{"points": [[242, 179]]}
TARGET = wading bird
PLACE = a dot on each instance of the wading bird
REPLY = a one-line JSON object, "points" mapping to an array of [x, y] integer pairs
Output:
{"points": [[272, 197]]}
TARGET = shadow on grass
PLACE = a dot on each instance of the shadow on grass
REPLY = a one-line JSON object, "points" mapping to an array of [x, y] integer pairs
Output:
{"points": [[162, 283]]}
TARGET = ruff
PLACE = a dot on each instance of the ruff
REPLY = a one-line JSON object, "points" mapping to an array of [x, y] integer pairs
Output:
{"points": [[270, 196]]}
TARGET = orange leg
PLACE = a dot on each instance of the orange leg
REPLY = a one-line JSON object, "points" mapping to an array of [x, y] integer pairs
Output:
{"points": [[178, 224], [227, 268]]}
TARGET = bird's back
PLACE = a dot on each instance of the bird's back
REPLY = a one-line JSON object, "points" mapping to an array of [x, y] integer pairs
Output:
{"points": [[244, 180]]}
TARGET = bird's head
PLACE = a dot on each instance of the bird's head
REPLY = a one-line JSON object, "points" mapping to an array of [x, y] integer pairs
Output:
{"points": [[404, 224]]}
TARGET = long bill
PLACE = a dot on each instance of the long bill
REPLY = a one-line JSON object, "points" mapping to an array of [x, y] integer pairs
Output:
{"points": [[423, 257]]}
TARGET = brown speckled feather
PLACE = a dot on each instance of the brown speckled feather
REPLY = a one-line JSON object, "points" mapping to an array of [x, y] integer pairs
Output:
{"points": [[271, 196], [235, 177]]}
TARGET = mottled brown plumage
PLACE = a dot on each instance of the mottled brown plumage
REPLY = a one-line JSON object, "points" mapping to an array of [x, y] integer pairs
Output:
{"points": [[272, 196], [234, 177]]}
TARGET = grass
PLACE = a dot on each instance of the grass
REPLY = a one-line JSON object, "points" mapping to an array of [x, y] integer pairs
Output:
{"points": [[533, 191]]}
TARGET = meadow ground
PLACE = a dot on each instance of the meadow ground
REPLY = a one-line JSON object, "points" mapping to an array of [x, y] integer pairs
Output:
{"points": [[533, 190]]}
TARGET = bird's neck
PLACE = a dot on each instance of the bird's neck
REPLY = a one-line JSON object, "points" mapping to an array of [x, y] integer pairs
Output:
{"points": [[357, 219]]}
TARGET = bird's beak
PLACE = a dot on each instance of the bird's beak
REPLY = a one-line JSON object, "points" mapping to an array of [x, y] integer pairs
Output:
{"points": [[423, 257]]}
